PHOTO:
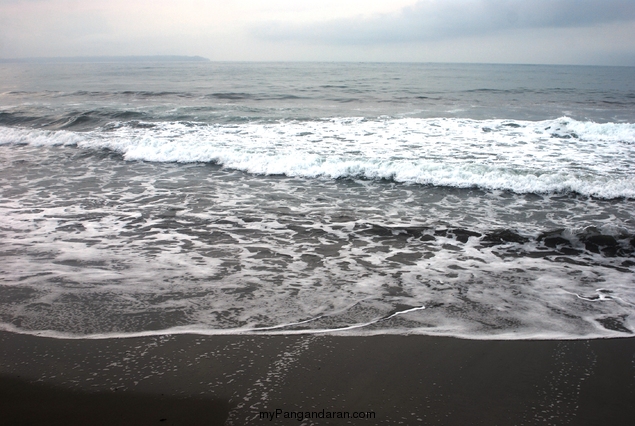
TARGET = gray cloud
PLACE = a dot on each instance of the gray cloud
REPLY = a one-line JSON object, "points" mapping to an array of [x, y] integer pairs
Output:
{"points": [[431, 20]]}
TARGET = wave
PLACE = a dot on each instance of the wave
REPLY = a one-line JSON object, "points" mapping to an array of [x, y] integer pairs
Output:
{"points": [[73, 120], [550, 156]]}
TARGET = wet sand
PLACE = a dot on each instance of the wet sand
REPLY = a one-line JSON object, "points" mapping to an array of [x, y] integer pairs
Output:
{"points": [[216, 380]]}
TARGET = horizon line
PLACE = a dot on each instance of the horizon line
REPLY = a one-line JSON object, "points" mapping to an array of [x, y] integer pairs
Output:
{"points": [[198, 58], [108, 58]]}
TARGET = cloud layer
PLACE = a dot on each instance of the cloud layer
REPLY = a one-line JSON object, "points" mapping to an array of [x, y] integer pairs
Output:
{"points": [[432, 20], [591, 32]]}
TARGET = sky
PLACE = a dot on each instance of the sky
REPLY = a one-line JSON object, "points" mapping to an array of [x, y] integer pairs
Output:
{"points": [[585, 32]]}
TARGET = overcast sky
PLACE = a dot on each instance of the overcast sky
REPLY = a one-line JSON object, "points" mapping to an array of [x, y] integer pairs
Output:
{"points": [[506, 31]]}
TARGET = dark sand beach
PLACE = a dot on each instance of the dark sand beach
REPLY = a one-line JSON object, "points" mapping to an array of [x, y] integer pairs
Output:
{"points": [[215, 380]]}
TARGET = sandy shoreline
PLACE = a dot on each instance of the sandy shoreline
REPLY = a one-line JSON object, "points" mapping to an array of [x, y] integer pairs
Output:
{"points": [[189, 379]]}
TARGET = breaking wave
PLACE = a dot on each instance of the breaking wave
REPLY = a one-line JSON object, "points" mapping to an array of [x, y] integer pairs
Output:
{"points": [[550, 156]]}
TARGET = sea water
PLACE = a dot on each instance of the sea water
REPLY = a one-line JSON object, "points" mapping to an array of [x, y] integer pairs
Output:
{"points": [[479, 201]]}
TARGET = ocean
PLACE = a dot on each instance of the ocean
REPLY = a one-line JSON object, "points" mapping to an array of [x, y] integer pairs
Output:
{"points": [[475, 201]]}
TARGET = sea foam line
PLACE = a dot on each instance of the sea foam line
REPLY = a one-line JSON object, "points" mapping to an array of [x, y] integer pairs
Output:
{"points": [[335, 332], [551, 156]]}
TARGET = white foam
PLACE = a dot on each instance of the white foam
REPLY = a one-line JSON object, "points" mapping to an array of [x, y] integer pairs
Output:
{"points": [[469, 291], [560, 155], [17, 136]]}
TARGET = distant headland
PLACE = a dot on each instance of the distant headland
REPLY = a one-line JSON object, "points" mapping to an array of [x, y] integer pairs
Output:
{"points": [[93, 59]]}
